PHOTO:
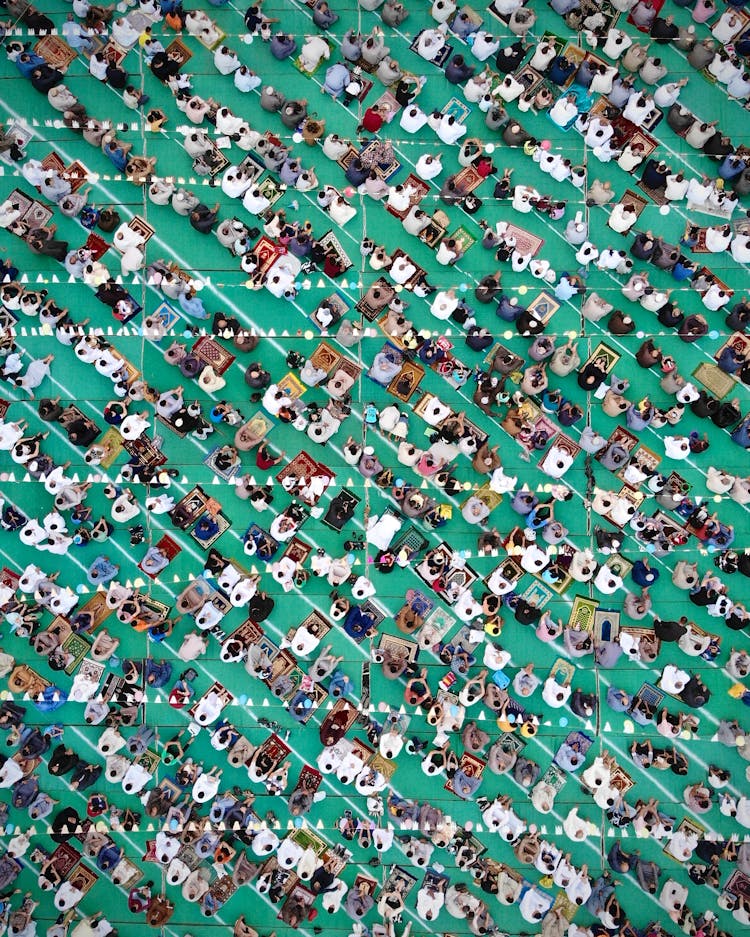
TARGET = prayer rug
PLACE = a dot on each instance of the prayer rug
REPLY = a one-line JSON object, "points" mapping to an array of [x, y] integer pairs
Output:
{"points": [[581, 616], [544, 306], [74, 648], [212, 41], [656, 195], [526, 242], [456, 108], [407, 381], [637, 201], [212, 352], [421, 189], [464, 238], [442, 56], [469, 179], [330, 241], [56, 52], [608, 355], [654, 5], [606, 624], [436, 229]]}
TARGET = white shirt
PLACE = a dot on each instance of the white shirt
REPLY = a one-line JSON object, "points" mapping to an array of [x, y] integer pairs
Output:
{"points": [[193, 645], [450, 130], [98, 69], [341, 211], [673, 680], [133, 426], [303, 642], [676, 447], [739, 86], [413, 119], [233, 184], [67, 896], [428, 166], [402, 270], [445, 255], [534, 905], [621, 219], [124, 34], [443, 305], [717, 240], [484, 45], [399, 198], [430, 44], [255, 202], [666, 95], [675, 188], [226, 63], [617, 42], [383, 530], [8, 214], [560, 169], [715, 297], [246, 81], [476, 87], [563, 111], [741, 248]]}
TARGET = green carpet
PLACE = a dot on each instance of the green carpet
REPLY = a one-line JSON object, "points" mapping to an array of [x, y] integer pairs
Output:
{"points": [[289, 326]]}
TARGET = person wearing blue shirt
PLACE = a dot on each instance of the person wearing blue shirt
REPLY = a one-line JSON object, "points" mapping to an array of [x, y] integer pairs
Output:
{"points": [[192, 305], [683, 270], [560, 70], [101, 571], [643, 575], [731, 166], [117, 153], [565, 288], [27, 62]]}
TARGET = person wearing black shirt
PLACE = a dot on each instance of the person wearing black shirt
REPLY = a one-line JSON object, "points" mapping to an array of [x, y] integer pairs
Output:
{"points": [[643, 245], [695, 693], [670, 630], [526, 613], [322, 879], [203, 218], [718, 146], [727, 414], [260, 607], [253, 19], [655, 174], [110, 293], [85, 775], [405, 92], [117, 77], [82, 432], [510, 57], [702, 596], [64, 825], [45, 77], [663, 29], [62, 760], [164, 66]]}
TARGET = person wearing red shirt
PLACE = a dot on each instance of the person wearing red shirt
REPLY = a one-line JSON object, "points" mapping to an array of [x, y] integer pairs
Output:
{"points": [[263, 458], [372, 119]]}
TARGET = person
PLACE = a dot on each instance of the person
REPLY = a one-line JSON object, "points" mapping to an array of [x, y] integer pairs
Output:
{"points": [[373, 118], [622, 217], [202, 218]]}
